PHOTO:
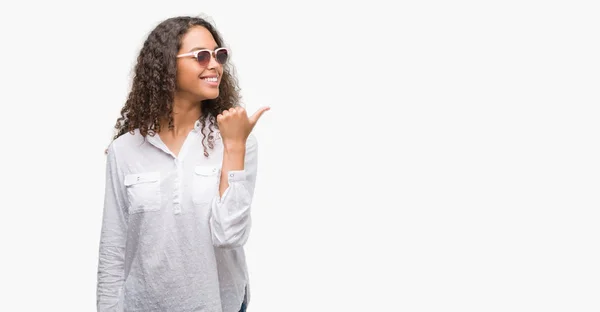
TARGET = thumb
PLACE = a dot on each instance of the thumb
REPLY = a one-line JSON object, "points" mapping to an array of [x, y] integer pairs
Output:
{"points": [[254, 118]]}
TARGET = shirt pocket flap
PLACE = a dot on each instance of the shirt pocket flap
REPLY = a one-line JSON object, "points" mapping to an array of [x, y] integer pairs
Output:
{"points": [[137, 178], [207, 170]]}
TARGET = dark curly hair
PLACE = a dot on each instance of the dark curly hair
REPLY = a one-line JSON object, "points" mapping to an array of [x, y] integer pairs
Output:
{"points": [[153, 87]]}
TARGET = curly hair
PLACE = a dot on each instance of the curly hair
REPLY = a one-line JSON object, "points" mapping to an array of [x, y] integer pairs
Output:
{"points": [[154, 83]]}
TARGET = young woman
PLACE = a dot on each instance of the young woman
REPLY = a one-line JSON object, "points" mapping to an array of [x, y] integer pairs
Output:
{"points": [[179, 181]]}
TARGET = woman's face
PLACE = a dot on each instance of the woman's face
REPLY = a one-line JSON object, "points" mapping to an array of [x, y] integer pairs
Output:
{"points": [[199, 79]]}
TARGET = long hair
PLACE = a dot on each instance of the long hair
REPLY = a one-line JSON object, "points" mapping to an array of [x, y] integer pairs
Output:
{"points": [[154, 83]]}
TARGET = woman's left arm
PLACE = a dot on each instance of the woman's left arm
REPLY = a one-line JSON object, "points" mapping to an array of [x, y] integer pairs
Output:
{"points": [[230, 219]]}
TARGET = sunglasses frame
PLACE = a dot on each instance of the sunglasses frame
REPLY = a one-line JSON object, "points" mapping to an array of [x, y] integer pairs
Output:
{"points": [[213, 54]]}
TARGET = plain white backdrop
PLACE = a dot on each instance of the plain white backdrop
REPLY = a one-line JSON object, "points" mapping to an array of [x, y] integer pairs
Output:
{"points": [[418, 156]]}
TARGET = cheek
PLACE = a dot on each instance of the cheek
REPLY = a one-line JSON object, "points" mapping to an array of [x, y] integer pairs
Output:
{"points": [[187, 75]]}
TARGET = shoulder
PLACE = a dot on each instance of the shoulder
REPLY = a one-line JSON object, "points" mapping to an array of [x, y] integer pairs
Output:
{"points": [[125, 142]]}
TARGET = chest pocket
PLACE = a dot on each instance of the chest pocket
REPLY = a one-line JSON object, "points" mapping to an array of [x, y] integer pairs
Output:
{"points": [[143, 191], [205, 184]]}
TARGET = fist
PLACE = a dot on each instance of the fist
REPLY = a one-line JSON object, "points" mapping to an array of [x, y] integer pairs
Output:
{"points": [[235, 125]]}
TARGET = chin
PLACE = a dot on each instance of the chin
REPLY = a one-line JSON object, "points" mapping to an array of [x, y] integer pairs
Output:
{"points": [[208, 95]]}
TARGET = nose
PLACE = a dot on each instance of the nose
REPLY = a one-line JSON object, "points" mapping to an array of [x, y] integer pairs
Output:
{"points": [[213, 62]]}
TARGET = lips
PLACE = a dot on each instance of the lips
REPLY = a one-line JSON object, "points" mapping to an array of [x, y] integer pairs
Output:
{"points": [[211, 80], [216, 76]]}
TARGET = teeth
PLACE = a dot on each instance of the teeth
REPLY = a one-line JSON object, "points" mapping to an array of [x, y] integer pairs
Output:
{"points": [[210, 79]]}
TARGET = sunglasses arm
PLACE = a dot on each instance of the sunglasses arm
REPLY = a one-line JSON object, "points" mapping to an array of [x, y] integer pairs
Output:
{"points": [[185, 54]]}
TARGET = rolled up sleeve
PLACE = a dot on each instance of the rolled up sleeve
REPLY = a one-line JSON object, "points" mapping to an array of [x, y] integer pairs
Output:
{"points": [[230, 219]]}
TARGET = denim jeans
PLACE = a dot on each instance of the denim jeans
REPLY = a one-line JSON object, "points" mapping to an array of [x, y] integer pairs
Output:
{"points": [[244, 304], [243, 309]]}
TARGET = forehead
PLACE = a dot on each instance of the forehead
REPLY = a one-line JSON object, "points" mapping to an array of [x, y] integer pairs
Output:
{"points": [[197, 37]]}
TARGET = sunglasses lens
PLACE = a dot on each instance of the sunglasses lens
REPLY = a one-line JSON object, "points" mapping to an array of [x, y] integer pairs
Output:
{"points": [[222, 56], [204, 58]]}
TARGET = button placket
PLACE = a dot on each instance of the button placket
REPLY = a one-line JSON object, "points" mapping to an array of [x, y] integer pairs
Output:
{"points": [[177, 188]]}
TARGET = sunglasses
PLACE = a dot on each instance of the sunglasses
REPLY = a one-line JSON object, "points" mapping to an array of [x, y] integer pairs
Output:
{"points": [[221, 55]]}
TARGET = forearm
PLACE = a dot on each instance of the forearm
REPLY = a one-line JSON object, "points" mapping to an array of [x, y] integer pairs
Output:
{"points": [[233, 159], [110, 277]]}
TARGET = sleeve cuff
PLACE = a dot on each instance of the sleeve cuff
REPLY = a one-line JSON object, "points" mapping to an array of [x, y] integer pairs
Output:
{"points": [[236, 176]]}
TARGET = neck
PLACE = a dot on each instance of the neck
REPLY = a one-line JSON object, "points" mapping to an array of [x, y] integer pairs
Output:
{"points": [[185, 114]]}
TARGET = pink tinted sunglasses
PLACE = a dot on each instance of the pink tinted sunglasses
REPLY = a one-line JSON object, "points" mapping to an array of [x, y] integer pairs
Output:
{"points": [[203, 56]]}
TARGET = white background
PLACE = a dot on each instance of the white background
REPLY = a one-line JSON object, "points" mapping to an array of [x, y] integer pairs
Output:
{"points": [[432, 156]]}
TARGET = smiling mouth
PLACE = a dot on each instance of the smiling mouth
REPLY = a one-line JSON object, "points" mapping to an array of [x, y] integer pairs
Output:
{"points": [[210, 79]]}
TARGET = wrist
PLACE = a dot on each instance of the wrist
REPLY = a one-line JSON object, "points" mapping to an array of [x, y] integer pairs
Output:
{"points": [[234, 146]]}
